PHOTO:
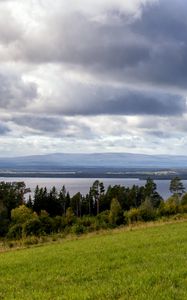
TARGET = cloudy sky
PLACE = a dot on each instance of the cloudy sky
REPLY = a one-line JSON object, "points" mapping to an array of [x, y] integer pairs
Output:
{"points": [[93, 76]]}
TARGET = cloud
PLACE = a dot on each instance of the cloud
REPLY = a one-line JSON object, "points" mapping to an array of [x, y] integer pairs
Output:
{"points": [[159, 134], [52, 126], [4, 129], [14, 91], [97, 7], [163, 21], [42, 124], [10, 27], [147, 50], [75, 39], [86, 99], [93, 75]]}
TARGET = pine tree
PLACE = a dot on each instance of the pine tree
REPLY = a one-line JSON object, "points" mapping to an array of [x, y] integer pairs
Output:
{"points": [[176, 186]]}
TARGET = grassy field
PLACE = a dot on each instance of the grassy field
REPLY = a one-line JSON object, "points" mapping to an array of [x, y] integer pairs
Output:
{"points": [[145, 263]]}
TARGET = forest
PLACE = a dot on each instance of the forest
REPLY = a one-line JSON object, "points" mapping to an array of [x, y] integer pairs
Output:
{"points": [[50, 211]]}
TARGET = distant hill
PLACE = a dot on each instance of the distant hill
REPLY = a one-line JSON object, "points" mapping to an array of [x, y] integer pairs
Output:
{"points": [[58, 161]]}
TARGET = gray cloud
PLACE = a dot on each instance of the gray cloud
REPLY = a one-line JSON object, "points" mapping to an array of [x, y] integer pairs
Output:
{"points": [[14, 92], [75, 39], [43, 124], [111, 62], [96, 100], [4, 129], [149, 50], [158, 134], [11, 30], [53, 126], [165, 20]]}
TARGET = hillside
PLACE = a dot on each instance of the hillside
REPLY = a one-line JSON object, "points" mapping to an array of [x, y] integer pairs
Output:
{"points": [[94, 160], [145, 263]]}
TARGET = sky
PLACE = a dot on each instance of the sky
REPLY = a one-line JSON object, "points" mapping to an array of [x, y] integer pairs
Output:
{"points": [[93, 76]]}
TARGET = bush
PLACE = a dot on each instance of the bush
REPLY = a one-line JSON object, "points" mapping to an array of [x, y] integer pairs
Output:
{"points": [[103, 217], [171, 206], [177, 217], [98, 224], [94, 223], [59, 223], [116, 213], [32, 240], [78, 229], [86, 221], [4, 226], [15, 232], [147, 212], [33, 227], [47, 224], [184, 208], [184, 199], [133, 215], [21, 214], [70, 217]]}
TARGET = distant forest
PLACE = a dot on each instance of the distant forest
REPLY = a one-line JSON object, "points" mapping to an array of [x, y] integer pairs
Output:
{"points": [[48, 212]]}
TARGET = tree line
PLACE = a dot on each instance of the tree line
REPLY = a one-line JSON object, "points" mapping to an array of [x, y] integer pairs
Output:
{"points": [[49, 211]]}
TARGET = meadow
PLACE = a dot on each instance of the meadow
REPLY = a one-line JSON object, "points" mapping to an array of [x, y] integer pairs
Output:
{"points": [[141, 263]]}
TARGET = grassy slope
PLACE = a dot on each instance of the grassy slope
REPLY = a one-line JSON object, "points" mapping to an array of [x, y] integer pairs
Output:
{"points": [[146, 263]]}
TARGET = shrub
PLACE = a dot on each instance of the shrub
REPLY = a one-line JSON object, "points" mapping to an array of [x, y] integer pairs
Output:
{"points": [[103, 216], [147, 212], [116, 213], [47, 224], [99, 224], [86, 221], [21, 214], [171, 206], [184, 199], [4, 226], [177, 217], [10, 244], [96, 226], [78, 229], [15, 232], [133, 215], [184, 208], [59, 223], [70, 217], [89, 223], [31, 240], [33, 227]]}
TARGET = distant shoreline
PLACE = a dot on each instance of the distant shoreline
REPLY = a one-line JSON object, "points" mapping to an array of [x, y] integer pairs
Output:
{"points": [[141, 176]]}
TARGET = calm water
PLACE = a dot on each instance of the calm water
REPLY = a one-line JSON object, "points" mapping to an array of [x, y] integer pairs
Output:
{"points": [[74, 185]]}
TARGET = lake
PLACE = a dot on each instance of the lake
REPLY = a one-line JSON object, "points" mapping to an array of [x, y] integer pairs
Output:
{"points": [[74, 185]]}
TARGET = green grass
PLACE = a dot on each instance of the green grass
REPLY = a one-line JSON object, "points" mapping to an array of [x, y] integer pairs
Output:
{"points": [[145, 263]]}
